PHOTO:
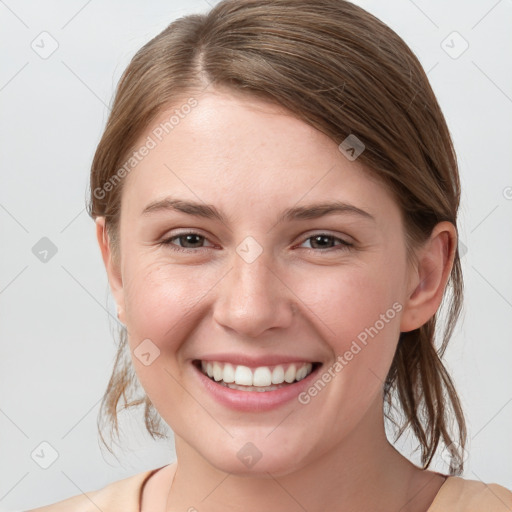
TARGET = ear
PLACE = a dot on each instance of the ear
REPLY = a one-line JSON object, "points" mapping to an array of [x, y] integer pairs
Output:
{"points": [[428, 280], [111, 266]]}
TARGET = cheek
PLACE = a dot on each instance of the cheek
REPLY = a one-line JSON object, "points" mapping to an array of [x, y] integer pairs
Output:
{"points": [[350, 297], [357, 315], [159, 298], [357, 311], [160, 302]]}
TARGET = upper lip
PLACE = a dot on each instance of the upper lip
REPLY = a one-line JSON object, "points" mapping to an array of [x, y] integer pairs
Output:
{"points": [[254, 362]]}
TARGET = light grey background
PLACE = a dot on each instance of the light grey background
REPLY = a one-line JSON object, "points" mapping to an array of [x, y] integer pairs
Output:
{"points": [[56, 335]]}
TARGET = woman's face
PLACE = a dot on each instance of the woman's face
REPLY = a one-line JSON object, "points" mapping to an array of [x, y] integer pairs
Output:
{"points": [[263, 279]]}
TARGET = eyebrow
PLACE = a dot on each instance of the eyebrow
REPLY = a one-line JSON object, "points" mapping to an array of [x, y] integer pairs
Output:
{"points": [[208, 211]]}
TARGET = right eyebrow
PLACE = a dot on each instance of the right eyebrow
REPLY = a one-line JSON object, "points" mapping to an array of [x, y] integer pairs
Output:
{"points": [[207, 211]]}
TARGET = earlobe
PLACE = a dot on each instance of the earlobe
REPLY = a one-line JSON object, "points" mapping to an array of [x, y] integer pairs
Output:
{"points": [[113, 272], [430, 277]]}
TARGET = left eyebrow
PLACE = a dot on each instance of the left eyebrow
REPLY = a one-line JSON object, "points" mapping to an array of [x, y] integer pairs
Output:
{"points": [[311, 211], [315, 211]]}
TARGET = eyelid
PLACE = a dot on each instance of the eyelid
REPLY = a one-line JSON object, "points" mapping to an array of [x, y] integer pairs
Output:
{"points": [[316, 232], [191, 231], [343, 245]]}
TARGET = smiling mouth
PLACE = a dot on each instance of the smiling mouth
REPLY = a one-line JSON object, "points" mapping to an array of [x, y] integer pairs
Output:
{"points": [[262, 378]]}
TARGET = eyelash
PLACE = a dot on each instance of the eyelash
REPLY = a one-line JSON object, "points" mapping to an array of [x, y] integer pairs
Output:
{"points": [[343, 246]]}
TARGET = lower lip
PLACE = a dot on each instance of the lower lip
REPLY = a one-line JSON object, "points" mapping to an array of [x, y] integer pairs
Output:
{"points": [[254, 401]]}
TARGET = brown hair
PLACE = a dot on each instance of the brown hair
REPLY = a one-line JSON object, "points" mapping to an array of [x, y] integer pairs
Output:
{"points": [[343, 71]]}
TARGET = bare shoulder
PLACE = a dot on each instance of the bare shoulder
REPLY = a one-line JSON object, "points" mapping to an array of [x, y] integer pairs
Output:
{"points": [[491, 496], [156, 488], [465, 495], [77, 503], [121, 495]]}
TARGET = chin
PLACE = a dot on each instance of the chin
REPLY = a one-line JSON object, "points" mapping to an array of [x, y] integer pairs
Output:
{"points": [[256, 459]]}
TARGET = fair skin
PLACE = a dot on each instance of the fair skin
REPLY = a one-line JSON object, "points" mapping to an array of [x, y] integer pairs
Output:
{"points": [[252, 160]]}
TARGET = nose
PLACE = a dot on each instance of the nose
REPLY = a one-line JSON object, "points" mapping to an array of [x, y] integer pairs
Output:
{"points": [[253, 298]]}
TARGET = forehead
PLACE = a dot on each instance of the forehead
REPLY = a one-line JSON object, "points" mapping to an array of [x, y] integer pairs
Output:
{"points": [[238, 151]]}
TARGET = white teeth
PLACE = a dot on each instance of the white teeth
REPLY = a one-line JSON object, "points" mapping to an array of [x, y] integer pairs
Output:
{"points": [[278, 375], [289, 375], [261, 377], [301, 373], [243, 376], [217, 371], [251, 388], [229, 373]]}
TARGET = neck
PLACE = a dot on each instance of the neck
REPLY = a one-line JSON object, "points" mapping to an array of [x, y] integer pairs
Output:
{"points": [[363, 472]]}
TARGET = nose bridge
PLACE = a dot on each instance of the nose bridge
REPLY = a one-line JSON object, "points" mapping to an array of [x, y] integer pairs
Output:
{"points": [[253, 298], [252, 279]]}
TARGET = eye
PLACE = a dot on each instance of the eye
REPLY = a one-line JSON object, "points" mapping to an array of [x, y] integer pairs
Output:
{"points": [[189, 237], [325, 241]]}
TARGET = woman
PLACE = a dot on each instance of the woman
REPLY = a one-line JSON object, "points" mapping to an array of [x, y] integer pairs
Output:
{"points": [[276, 197]]}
